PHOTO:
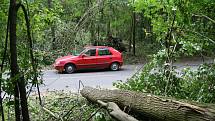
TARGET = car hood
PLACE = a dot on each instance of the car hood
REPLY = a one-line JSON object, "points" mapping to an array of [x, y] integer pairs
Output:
{"points": [[68, 57]]}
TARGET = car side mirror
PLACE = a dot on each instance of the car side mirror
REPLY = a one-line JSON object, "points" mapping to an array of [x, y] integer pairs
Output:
{"points": [[83, 55]]}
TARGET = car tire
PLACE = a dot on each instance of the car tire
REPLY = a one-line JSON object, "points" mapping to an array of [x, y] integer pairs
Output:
{"points": [[114, 66], [69, 68]]}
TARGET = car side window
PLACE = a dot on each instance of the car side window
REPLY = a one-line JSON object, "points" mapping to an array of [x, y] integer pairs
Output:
{"points": [[104, 51], [91, 52]]}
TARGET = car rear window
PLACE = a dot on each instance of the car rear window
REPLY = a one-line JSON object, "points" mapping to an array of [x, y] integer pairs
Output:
{"points": [[104, 51]]}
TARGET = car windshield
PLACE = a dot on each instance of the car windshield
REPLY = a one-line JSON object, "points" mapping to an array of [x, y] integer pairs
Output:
{"points": [[83, 50], [77, 52]]}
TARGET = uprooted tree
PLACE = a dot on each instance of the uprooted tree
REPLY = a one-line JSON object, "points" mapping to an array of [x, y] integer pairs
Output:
{"points": [[154, 107]]}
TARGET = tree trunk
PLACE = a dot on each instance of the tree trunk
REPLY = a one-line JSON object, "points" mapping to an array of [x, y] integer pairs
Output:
{"points": [[130, 39], [108, 27], [13, 57], [157, 108], [133, 31], [19, 84], [98, 34], [142, 35]]}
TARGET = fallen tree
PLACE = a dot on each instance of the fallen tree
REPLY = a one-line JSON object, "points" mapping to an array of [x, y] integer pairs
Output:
{"points": [[158, 108]]}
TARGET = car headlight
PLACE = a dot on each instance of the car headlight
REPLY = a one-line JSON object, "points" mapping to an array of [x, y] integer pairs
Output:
{"points": [[58, 62]]}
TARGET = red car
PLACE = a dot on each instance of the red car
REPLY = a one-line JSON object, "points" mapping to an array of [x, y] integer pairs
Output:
{"points": [[92, 57]]}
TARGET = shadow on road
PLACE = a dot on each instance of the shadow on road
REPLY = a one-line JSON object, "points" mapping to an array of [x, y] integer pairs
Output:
{"points": [[93, 70]]}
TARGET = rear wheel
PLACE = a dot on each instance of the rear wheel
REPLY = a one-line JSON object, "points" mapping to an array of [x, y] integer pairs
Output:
{"points": [[114, 66], [69, 68]]}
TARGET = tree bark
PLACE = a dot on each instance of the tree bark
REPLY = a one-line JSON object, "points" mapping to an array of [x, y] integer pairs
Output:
{"points": [[130, 37], [19, 84], [134, 31], [108, 27], [13, 57], [157, 108]]}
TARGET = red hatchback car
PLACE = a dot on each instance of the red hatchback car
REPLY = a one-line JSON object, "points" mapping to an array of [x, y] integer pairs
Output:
{"points": [[92, 57]]}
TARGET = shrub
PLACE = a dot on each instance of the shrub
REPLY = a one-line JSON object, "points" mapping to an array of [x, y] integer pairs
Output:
{"points": [[155, 78]]}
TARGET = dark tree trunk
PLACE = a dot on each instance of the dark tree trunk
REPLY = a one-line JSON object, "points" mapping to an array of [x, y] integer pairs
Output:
{"points": [[19, 84], [108, 27], [98, 34], [134, 32], [130, 42], [13, 52], [142, 35], [53, 37], [130, 37], [23, 99], [154, 107]]}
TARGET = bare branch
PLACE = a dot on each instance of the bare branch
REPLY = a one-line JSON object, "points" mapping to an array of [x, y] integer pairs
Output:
{"points": [[116, 112]]}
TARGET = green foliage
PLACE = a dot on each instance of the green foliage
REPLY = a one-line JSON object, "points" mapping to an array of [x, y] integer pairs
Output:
{"points": [[190, 34], [65, 105], [193, 32], [156, 79], [199, 85]]}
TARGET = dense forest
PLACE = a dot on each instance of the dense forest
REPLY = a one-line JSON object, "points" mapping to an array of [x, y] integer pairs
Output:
{"points": [[33, 33]]}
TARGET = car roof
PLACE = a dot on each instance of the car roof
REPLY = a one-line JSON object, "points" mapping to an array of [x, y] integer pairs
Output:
{"points": [[97, 47]]}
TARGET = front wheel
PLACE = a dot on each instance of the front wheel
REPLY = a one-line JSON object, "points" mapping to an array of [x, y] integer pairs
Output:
{"points": [[114, 66], [69, 68]]}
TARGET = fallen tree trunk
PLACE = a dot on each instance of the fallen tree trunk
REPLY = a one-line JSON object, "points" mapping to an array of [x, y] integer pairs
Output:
{"points": [[157, 108]]}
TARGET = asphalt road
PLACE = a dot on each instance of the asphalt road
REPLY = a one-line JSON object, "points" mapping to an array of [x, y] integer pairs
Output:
{"points": [[101, 78], [93, 78]]}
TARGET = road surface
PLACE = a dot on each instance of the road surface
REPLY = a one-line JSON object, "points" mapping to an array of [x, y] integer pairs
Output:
{"points": [[101, 78], [98, 78]]}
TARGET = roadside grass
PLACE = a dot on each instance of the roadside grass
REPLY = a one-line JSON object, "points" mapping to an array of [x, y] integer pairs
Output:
{"points": [[60, 106]]}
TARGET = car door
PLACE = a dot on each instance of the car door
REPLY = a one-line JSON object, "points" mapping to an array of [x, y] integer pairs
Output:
{"points": [[104, 58], [88, 59]]}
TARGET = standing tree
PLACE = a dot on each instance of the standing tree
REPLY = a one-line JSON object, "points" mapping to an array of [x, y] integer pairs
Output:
{"points": [[20, 100], [133, 28], [13, 51]]}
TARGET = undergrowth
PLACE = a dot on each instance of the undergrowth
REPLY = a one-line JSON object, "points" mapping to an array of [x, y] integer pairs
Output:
{"points": [[195, 85], [60, 106]]}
